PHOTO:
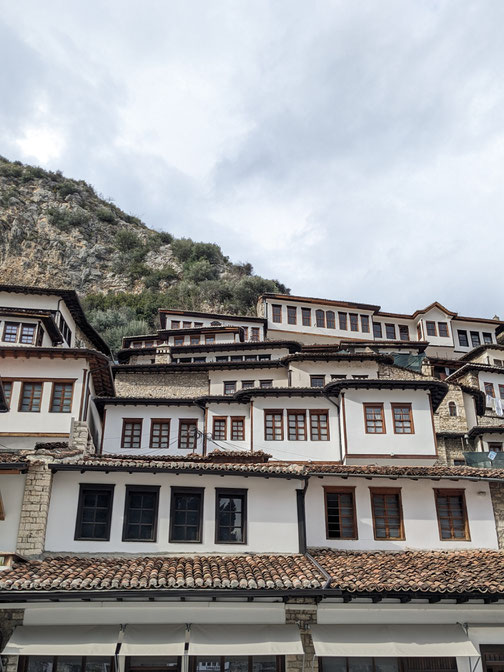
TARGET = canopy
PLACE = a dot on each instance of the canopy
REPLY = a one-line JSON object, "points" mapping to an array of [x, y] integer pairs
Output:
{"points": [[244, 640], [63, 640], [153, 640], [391, 640]]}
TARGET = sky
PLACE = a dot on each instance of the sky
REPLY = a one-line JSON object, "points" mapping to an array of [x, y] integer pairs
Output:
{"points": [[353, 150]]}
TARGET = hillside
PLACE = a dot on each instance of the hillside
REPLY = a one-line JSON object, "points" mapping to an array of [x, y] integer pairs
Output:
{"points": [[56, 231]]}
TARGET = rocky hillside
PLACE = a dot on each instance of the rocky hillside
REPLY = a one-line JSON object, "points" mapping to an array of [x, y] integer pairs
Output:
{"points": [[56, 231]]}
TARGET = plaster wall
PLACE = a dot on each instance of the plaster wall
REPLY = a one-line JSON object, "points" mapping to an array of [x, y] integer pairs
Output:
{"points": [[11, 492], [301, 371], [217, 378]]}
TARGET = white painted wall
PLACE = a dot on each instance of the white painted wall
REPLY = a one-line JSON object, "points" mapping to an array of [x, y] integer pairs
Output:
{"points": [[228, 410], [217, 378], [480, 327], [207, 322], [272, 515], [436, 315], [490, 377], [361, 444], [11, 490], [470, 410], [419, 511], [302, 370]]}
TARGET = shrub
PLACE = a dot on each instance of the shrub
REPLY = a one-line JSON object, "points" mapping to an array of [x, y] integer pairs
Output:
{"points": [[34, 172], [127, 240], [105, 214], [154, 277], [66, 188], [65, 220], [11, 170], [182, 248], [198, 271]]}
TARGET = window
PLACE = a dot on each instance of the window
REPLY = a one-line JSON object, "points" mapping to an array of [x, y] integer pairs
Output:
{"points": [[452, 516], [492, 657], [487, 338], [186, 514], [390, 332], [7, 390], [291, 314], [462, 338], [236, 664], [387, 513], [475, 339], [338, 376], [501, 391], [188, 435], [175, 324], [230, 516], [250, 358], [62, 395], [178, 341], [31, 396], [140, 513], [330, 319], [443, 329], [186, 324], [237, 429], [265, 384], [255, 333], [489, 390], [131, 433], [320, 318], [229, 386], [40, 336], [195, 340], [319, 426], [498, 362], [196, 359], [360, 377], [198, 325], [276, 313], [247, 384], [430, 328], [368, 664], [67, 664], [160, 434], [264, 358], [209, 338], [65, 330], [354, 322], [374, 419], [236, 358], [219, 429], [340, 513], [245, 333], [296, 425], [404, 332], [27, 334], [222, 358], [317, 381], [342, 320], [377, 330], [364, 319], [306, 317], [273, 425], [452, 409], [403, 419], [10, 332], [496, 446], [419, 331], [94, 512]]}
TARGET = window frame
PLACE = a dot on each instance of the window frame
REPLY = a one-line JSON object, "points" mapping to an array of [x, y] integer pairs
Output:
{"points": [[430, 326], [486, 386], [404, 332], [342, 321], [377, 330], [141, 488], [291, 314], [229, 382], [219, 418], [188, 421], [276, 313], [8, 399], [240, 492], [353, 321], [233, 420], [374, 404], [159, 421], [174, 491], [53, 386], [306, 318], [21, 395], [390, 327], [135, 421], [408, 405], [320, 319], [296, 412], [462, 336], [443, 326], [106, 487], [274, 411], [330, 319], [4, 331], [346, 490], [318, 376], [388, 491], [365, 323], [27, 325], [445, 492], [487, 338], [475, 339], [318, 412], [501, 391]]}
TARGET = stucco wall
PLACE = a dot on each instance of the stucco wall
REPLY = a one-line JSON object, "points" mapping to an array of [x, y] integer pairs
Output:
{"points": [[11, 490]]}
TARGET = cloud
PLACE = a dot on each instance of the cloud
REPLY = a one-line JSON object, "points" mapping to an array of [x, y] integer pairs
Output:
{"points": [[353, 150]]}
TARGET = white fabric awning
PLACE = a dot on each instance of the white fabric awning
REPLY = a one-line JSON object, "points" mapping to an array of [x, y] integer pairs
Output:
{"points": [[244, 640], [63, 640], [391, 640], [153, 640]]}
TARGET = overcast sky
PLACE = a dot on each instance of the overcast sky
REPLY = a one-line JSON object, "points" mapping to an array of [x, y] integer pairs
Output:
{"points": [[354, 150]]}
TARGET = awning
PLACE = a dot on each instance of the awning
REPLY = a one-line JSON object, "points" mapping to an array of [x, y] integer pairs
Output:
{"points": [[244, 640], [63, 640], [391, 640], [153, 640]]}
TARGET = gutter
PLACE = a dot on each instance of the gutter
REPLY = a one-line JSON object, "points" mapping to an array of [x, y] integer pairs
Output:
{"points": [[324, 573], [413, 477]]}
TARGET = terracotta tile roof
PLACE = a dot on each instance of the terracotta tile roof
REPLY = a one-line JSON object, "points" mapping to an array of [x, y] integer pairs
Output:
{"points": [[406, 471], [248, 572], [477, 571], [11, 458]]}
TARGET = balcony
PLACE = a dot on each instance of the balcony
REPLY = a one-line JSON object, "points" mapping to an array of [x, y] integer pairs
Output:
{"points": [[482, 460]]}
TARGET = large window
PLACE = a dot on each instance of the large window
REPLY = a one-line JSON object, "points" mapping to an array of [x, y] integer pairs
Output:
{"points": [[390, 332], [27, 334], [475, 339], [319, 426], [219, 432], [341, 520], [188, 435], [320, 318], [186, 514], [403, 419], [354, 322], [61, 400], [377, 330], [443, 329], [387, 513], [374, 419], [364, 323], [230, 516], [140, 513], [331, 319], [291, 314], [296, 425], [368, 664], [94, 512], [342, 321], [237, 428], [431, 328], [66, 664], [7, 390], [273, 425], [31, 397], [462, 338], [236, 664], [306, 317], [10, 332], [452, 515], [160, 434], [131, 433], [404, 332], [276, 313]]}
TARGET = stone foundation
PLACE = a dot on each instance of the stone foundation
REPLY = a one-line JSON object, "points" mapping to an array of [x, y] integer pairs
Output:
{"points": [[9, 619], [34, 510], [302, 612]]}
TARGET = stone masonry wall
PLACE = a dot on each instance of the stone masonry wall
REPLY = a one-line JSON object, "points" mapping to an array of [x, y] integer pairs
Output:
{"points": [[497, 494], [302, 612], [450, 449], [9, 619], [34, 510], [443, 421], [393, 372], [79, 436], [155, 385]]}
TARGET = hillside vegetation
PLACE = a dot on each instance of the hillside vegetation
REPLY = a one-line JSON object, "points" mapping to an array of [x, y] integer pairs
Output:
{"points": [[58, 232]]}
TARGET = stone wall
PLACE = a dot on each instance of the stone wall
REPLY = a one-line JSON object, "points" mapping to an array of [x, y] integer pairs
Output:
{"points": [[80, 438], [443, 421], [391, 371], [450, 449], [302, 612], [497, 494], [34, 510], [155, 385], [9, 619]]}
